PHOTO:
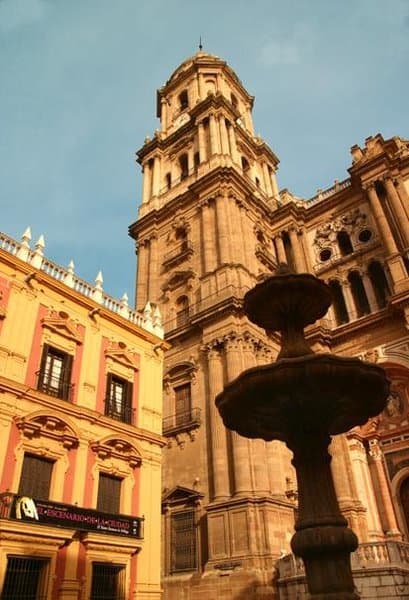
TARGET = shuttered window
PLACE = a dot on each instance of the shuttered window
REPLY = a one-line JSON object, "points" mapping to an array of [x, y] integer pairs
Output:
{"points": [[108, 582], [109, 493], [183, 541], [54, 377], [183, 404], [35, 480]]}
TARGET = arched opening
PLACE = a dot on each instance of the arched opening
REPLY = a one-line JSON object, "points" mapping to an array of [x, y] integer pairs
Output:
{"points": [[168, 181], [183, 100], [196, 160], [181, 238], [379, 283], [288, 250], [182, 311], [359, 294], [234, 101], [344, 243], [183, 163], [339, 306], [245, 165], [257, 182], [404, 500]]}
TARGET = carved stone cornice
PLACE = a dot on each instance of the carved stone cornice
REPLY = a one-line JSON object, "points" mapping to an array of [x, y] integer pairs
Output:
{"points": [[48, 426], [117, 448]]}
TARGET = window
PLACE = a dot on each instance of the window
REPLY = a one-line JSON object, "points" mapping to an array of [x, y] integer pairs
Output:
{"points": [[25, 579], [182, 311], [109, 493], [234, 101], [118, 401], [245, 165], [344, 243], [196, 160], [168, 181], [359, 294], [183, 404], [183, 541], [379, 283], [183, 100], [54, 377], [340, 309], [108, 582], [289, 254], [184, 169], [35, 479]]}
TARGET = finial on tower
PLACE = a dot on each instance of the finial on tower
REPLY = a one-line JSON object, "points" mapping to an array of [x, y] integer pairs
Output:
{"points": [[200, 44]]}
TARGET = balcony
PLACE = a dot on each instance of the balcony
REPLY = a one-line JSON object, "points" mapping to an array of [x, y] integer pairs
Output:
{"points": [[46, 512], [122, 413], [182, 421], [178, 254]]}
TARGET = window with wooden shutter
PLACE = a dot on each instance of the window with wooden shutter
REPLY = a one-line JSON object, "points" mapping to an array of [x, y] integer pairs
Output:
{"points": [[54, 377], [118, 400], [109, 493], [183, 541], [183, 404], [35, 479]]}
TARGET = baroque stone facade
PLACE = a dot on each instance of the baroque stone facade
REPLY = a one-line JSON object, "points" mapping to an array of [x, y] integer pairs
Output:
{"points": [[211, 223]]}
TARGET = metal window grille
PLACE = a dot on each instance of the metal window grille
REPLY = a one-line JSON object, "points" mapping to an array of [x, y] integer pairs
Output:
{"points": [[118, 401], [26, 579], [35, 479], [109, 493], [54, 377], [108, 582], [183, 541]]}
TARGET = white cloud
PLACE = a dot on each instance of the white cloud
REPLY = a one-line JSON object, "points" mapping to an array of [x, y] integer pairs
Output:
{"points": [[286, 50], [19, 13]]}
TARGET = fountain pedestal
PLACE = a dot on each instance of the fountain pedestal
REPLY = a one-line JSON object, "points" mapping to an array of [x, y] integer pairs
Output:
{"points": [[302, 399]]}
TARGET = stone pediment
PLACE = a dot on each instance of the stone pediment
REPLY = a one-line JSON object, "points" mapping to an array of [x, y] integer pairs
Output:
{"points": [[60, 323], [48, 426], [178, 278], [180, 494], [120, 448], [123, 357]]}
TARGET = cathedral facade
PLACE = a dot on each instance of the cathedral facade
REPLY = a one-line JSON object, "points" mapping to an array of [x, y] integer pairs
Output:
{"points": [[212, 222]]}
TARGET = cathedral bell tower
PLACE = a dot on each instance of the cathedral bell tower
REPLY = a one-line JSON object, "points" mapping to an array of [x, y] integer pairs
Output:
{"points": [[209, 188]]}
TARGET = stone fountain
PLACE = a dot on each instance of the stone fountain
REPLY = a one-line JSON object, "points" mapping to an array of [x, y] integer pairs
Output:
{"points": [[302, 399]]}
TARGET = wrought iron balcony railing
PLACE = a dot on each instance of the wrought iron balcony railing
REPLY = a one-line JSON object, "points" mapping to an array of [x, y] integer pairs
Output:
{"points": [[182, 421], [54, 386], [119, 412]]}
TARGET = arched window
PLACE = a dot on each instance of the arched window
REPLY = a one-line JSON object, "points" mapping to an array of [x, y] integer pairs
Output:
{"points": [[183, 100], [245, 165], [182, 311], [379, 283], [234, 101], [181, 238], [196, 160], [344, 243], [184, 169], [340, 309], [257, 182], [359, 294]]}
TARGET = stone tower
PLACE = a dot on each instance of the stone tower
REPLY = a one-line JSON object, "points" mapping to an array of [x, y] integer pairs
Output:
{"points": [[208, 186], [210, 224]]}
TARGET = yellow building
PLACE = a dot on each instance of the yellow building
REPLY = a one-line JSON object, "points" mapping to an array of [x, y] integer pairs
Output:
{"points": [[211, 223], [80, 444]]}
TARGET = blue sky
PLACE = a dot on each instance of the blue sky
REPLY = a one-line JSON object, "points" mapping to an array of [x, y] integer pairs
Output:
{"points": [[77, 98]]}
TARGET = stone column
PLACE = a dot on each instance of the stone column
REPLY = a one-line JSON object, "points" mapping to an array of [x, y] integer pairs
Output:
{"points": [[208, 245], [282, 257], [274, 186], [221, 485], [267, 180], [146, 183], [240, 445], [200, 86], [257, 447], [233, 145], [214, 142], [401, 218], [153, 270], [190, 160], [222, 228], [223, 135], [384, 500], [142, 278], [156, 176], [381, 220], [297, 250], [373, 304], [403, 195], [202, 142], [364, 487], [164, 113], [349, 300]]}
